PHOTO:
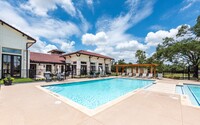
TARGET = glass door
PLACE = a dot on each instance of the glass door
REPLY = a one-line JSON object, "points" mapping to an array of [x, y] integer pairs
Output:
{"points": [[16, 66], [11, 65], [6, 65]]}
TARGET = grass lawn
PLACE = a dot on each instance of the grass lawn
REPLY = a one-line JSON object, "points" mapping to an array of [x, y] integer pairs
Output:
{"points": [[20, 80], [23, 80]]}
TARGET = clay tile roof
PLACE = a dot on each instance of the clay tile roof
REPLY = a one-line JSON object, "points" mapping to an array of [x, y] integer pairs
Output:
{"points": [[45, 58], [88, 53]]}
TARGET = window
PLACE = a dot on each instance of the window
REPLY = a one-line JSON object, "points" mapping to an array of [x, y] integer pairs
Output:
{"points": [[106, 68], [92, 66], [48, 68], [84, 63], [9, 50]]}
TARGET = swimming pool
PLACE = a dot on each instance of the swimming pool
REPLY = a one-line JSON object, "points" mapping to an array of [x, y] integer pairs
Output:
{"points": [[193, 92], [94, 93]]}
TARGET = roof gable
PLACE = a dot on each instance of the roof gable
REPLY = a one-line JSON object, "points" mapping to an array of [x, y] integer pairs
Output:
{"points": [[24, 34], [88, 53]]}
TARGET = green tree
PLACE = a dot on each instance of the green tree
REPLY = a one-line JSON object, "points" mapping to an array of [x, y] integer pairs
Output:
{"points": [[185, 48], [141, 57], [196, 27]]}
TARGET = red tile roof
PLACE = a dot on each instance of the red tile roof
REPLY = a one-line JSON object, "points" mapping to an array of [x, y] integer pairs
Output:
{"points": [[88, 53], [46, 58]]}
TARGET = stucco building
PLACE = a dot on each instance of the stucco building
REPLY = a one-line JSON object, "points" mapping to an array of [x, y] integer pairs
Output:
{"points": [[41, 63], [85, 62], [14, 54], [17, 61]]}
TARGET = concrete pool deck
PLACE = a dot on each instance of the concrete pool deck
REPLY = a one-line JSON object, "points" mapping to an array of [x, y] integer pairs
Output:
{"points": [[25, 104]]}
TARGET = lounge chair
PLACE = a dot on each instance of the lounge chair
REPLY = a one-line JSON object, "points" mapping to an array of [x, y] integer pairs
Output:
{"points": [[123, 74], [48, 77], [150, 76], [137, 75], [160, 76], [144, 75], [130, 74]]}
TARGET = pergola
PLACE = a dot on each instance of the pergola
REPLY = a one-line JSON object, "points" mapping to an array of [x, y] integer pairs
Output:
{"points": [[151, 66]]}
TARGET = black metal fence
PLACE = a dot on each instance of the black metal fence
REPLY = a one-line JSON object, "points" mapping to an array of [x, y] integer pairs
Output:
{"points": [[183, 74], [39, 73]]}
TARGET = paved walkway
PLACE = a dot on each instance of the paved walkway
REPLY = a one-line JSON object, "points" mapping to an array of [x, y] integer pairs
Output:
{"points": [[163, 87], [25, 104]]}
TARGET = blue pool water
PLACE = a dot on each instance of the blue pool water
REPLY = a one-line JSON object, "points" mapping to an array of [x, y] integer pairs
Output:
{"points": [[92, 94], [193, 91]]}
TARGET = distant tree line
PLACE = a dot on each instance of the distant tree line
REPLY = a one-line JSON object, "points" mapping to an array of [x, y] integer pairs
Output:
{"points": [[175, 54]]}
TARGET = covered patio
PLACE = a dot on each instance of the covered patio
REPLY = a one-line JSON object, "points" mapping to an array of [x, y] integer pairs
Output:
{"points": [[152, 67]]}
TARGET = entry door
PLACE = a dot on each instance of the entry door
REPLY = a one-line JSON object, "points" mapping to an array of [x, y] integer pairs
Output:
{"points": [[11, 65], [83, 69]]}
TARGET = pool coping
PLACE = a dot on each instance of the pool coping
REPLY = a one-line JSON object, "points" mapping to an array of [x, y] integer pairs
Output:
{"points": [[90, 112]]}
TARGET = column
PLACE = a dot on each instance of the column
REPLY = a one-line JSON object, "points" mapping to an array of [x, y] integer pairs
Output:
{"points": [[88, 67], [116, 70], [78, 67], [154, 71], [137, 69], [151, 70], [122, 69]]}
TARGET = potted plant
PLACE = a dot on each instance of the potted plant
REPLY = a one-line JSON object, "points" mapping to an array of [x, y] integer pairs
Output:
{"points": [[1, 82], [8, 80]]}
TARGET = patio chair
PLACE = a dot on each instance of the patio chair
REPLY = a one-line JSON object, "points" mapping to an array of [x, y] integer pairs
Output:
{"points": [[150, 76], [123, 74], [60, 77], [137, 75], [130, 74], [144, 75], [48, 77], [160, 76]]}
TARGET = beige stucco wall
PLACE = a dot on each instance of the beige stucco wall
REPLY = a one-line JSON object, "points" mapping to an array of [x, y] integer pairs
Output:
{"points": [[85, 58], [41, 68], [11, 38]]}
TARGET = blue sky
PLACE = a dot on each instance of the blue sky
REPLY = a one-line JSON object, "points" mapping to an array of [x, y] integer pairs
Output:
{"points": [[114, 28]]}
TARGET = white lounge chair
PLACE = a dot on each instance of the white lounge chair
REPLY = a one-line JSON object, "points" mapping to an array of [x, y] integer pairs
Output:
{"points": [[137, 75], [123, 74], [130, 74], [144, 75], [160, 76], [150, 76]]}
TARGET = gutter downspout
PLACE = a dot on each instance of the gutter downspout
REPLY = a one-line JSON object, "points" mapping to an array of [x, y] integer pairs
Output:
{"points": [[27, 74]]}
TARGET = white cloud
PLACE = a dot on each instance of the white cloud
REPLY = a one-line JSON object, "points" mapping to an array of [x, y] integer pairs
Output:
{"points": [[130, 46], [156, 27], [51, 28], [98, 39], [154, 38], [42, 7], [188, 4], [44, 27], [111, 37], [9, 14], [42, 47], [89, 2], [67, 46]]}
